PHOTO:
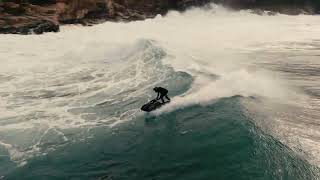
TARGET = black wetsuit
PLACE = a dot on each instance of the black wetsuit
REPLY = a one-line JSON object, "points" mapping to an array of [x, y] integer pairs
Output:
{"points": [[162, 92]]}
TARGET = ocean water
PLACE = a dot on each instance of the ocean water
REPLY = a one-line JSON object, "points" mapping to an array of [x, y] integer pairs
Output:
{"points": [[245, 99]]}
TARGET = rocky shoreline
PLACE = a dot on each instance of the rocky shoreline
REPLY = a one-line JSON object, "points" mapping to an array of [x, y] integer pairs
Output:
{"points": [[39, 16]]}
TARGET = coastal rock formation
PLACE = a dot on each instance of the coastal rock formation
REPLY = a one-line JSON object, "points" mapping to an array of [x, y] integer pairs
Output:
{"points": [[90, 11], [27, 18], [38, 16], [23, 26]]}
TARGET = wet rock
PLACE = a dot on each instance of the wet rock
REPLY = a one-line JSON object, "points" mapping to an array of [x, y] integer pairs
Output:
{"points": [[13, 8], [184, 4], [30, 27], [24, 18]]}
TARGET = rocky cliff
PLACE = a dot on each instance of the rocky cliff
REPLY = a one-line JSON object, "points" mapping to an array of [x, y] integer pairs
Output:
{"points": [[24, 18], [38, 16]]}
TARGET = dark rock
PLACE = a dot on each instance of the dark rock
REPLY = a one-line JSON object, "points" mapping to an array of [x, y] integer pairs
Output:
{"points": [[13, 8], [36, 27], [74, 11], [271, 13], [24, 18], [45, 27], [184, 4]]}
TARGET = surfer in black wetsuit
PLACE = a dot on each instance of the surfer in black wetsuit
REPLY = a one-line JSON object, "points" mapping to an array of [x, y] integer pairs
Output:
{"points": [[162, 92]]}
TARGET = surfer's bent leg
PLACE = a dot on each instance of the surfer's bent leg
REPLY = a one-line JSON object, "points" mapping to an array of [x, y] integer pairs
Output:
{"points": [[168, 98], [161, 97]]}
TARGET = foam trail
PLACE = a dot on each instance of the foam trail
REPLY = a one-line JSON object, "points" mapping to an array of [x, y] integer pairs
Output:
{"points": [[242, 82]]}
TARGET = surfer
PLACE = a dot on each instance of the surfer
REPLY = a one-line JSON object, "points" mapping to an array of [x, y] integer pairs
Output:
{"points": [[162, 92]]}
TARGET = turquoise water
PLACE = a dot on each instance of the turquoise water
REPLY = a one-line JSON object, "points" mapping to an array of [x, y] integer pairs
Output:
{"points": [[217, 140], [213, 142]]}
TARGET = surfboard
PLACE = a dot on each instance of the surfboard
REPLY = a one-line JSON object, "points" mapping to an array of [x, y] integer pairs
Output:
{"points": [[152, 105]]}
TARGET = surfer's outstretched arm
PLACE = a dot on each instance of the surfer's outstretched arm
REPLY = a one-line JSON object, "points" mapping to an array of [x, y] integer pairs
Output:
{"points": [[158, 96]]}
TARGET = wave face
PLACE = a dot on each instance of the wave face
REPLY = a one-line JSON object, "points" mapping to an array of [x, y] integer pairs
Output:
{"points": [[245, 99], [212, 142]]}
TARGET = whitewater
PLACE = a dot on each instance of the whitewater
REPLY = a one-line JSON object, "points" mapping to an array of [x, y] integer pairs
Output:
{"points": [[63, 90]]}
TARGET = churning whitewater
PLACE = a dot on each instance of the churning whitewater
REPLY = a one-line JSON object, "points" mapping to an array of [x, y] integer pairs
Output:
{"points": [[230, 74]]}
